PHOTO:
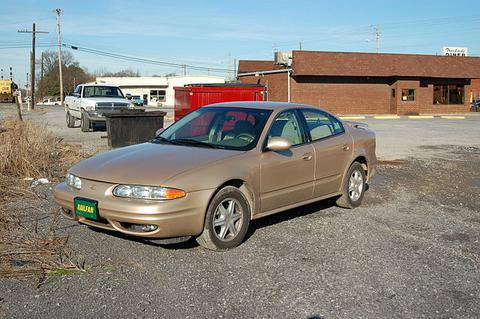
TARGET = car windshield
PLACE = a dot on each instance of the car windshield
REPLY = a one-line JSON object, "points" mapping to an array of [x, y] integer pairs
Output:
{"points": [[217, 127], [136, 97], [102, 91]]}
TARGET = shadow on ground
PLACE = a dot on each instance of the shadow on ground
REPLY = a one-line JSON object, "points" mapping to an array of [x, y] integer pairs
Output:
{"points": [[267, 221]]}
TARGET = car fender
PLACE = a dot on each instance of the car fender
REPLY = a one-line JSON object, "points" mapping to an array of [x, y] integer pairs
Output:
{"points": [[361, 148], [214, 176]]}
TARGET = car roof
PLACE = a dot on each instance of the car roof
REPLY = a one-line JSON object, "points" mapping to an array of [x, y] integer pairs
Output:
{"points": [[264, 105], [99, 84]]}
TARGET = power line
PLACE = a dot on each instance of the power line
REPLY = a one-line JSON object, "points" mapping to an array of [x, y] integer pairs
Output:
{"points": [[147, 61], [27, 46], [170, 58]]}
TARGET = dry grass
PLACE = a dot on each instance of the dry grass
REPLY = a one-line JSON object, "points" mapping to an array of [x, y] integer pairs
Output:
{"points": [[28, 149]]}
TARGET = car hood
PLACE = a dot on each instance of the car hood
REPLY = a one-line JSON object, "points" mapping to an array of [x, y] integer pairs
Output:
{"points": [[147, 163]]}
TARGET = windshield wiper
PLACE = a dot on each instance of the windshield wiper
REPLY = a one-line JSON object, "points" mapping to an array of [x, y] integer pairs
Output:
{"points": [[194, 143], [157, 139]]}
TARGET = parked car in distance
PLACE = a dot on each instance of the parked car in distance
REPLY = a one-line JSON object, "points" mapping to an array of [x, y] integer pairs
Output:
{"points": [[91, 101], [137, 100], [475, 107], [211, 172], [50, 102]]}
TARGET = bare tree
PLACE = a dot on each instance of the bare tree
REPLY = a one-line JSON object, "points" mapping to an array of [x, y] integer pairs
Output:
{"points": [[73, 73], [121, 73]]}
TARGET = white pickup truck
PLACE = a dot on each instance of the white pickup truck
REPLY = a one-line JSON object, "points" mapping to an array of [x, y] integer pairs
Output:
{"points": [[91, 101]]}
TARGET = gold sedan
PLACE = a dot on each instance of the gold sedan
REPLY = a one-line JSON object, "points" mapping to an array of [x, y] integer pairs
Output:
{"points": [[213, 171]]}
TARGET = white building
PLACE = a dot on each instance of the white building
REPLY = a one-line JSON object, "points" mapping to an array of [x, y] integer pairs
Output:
{"points": [[157, 91]]}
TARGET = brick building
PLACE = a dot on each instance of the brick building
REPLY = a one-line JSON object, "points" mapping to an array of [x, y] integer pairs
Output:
{"points": [[369, 83]]}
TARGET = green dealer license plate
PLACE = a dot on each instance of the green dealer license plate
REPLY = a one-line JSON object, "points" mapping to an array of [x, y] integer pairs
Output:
{"points": [[86, 208]]}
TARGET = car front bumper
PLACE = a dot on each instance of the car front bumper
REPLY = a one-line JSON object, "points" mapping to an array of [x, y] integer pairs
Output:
{"points": [[172, 218], [99, 115], [94, 116]]}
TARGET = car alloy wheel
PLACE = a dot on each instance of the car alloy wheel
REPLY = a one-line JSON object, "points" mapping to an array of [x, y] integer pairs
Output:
{"points": [[355, 185], [227, 219]]}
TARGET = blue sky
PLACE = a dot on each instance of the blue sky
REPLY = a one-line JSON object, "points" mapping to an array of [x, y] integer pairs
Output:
{"points": [[214, 33]]}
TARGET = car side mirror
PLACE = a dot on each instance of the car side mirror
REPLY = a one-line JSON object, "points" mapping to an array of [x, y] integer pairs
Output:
{"points": [[76, 94], [278, 144], [159, 131]]}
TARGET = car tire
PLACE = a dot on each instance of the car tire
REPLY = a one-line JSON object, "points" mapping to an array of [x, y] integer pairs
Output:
{"points": [[226, 221], [353, 187], [70, 119], [85, 123]]}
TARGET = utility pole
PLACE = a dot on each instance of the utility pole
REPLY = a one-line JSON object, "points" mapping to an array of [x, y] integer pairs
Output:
{"points": [[59, 12], [32, 62], [184, 67], [32, 79], [300, 45], [377, 37], [42, 84], [28, 90], [234, 69]]}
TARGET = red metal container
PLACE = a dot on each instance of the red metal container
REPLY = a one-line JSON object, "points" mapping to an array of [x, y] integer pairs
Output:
{"points": [[191, 97]]}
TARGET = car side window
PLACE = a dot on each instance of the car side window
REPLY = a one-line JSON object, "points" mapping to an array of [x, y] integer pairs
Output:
{"points": [[337, 125], [287, 125], [321, 125], [78, 89]]}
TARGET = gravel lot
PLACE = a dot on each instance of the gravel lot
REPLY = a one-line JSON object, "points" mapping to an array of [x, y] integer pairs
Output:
{"points": [[411, 251]]}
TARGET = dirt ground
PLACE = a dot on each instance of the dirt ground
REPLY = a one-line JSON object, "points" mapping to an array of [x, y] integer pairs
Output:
{"points": [[410, 251]]}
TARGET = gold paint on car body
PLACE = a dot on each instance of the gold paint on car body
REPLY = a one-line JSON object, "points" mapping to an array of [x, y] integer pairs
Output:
{"points": [[271, 181]]}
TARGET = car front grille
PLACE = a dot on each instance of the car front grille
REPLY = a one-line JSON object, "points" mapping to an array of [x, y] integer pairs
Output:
{"points": [[111, 104]]}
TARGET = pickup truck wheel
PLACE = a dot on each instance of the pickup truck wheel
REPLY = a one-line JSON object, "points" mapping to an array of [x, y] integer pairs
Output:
{"points": [[85, 126], [353, 187], [70, 119]]}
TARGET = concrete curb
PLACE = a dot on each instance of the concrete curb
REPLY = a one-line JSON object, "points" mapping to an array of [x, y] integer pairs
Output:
{"points": [[386, 117], [419, 117], [398, 117], [453, 117]]}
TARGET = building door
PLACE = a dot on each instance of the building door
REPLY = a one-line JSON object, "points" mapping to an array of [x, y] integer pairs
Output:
{"points": [[393, 100]]}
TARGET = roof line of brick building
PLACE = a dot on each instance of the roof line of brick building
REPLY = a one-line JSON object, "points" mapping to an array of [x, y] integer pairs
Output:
{"points": [[323, 63]]}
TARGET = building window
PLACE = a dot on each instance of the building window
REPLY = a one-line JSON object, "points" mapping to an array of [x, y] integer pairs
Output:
{"points": [[408, 95], [448, 94], [157, 96], [393, 92]]}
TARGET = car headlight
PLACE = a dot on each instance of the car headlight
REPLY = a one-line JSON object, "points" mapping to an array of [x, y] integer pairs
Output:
{"points": [[148, 192], [73, 181], [131, 106]]}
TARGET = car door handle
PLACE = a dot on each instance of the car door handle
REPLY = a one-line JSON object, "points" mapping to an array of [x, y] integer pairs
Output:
{"points": [[345, 147], [307, 156]]}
